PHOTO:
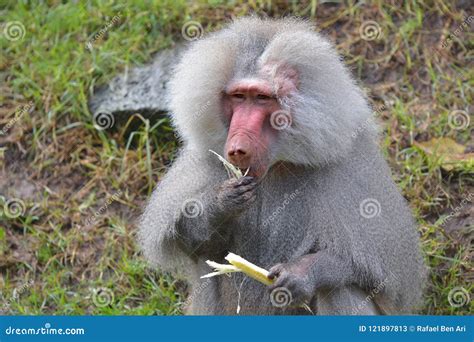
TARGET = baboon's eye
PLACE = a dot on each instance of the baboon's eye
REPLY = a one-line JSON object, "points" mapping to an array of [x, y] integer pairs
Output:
{"points": [[238, 96], [263, 97]]}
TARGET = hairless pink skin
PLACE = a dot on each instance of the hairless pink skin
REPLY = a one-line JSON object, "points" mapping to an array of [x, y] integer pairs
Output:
{"points": [[248, 104]]}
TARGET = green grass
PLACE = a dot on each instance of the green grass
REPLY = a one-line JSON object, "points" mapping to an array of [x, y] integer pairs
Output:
{"points": [[74, 168]]}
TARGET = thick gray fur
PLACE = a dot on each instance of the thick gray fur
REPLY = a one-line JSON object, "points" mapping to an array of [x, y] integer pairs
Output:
{"points": [[312, 200]]}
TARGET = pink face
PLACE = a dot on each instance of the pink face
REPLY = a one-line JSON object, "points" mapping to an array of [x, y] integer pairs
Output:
{"points": [[248, 105]]}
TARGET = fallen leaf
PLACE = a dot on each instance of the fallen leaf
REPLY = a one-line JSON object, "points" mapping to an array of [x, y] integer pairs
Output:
{"points": [[451, 153]]}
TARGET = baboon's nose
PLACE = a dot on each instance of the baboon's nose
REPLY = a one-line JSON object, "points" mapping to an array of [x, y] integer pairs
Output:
{"points": [[239, 153]]}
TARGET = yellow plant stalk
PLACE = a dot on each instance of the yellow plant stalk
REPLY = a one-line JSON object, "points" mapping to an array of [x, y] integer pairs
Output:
{"points": [[239, 264], [252, 270]]}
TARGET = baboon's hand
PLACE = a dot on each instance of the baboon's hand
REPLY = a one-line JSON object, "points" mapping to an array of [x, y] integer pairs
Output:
{"points": [[295, 278], [235, 195], [303, 276]]}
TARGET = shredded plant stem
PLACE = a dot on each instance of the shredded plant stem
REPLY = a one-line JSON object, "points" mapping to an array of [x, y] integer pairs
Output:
{"points": [[239, 264], [232, 170]]}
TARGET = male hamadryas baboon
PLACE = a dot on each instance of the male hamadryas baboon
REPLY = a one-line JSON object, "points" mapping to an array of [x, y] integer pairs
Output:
{"points": [[318, 207]]}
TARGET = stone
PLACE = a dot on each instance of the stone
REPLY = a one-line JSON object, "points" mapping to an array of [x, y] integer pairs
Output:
{"points": [[137, 90]]}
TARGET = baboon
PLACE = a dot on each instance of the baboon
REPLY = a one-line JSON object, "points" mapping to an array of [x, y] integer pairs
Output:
{"points": [[317, 206]]}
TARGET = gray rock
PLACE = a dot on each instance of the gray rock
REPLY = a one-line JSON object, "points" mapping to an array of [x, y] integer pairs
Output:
{"points": [[138, 90]]}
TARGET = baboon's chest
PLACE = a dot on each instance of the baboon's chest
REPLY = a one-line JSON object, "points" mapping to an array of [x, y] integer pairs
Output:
{"points": [[274, 228]]}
